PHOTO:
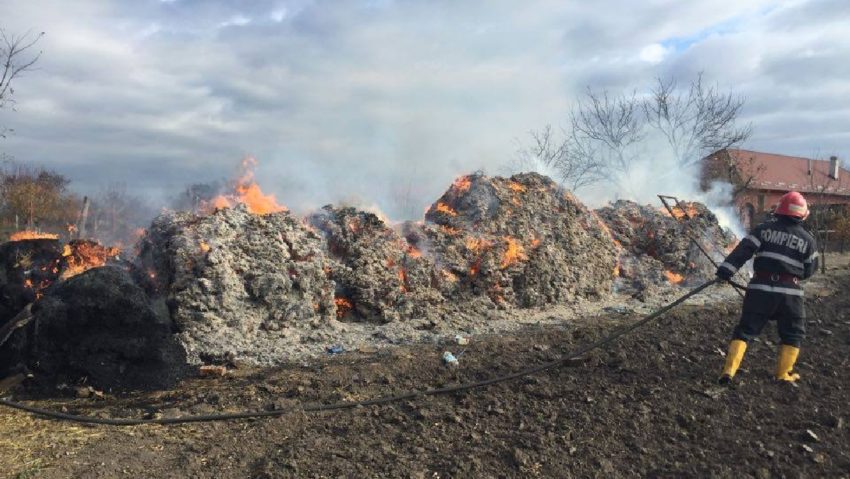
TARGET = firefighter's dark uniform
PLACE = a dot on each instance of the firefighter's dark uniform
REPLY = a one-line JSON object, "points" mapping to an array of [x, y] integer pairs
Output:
{"points": [[785, 254]]}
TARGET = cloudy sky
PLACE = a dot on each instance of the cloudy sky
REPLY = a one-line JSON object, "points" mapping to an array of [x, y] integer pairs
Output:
{"points": [[386, 101]]}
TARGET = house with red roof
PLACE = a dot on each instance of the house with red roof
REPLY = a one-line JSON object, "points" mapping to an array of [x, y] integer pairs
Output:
{"points": [[759, 179]]}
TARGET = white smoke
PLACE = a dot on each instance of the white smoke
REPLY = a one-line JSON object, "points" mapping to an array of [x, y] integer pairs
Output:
{"points": [[654, 170]]}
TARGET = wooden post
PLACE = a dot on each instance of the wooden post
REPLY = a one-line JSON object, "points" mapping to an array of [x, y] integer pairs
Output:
{"points": [[823, 252], [83, 219]]}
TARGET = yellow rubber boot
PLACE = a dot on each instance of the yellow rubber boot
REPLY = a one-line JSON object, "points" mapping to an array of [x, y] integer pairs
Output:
{"points": [[785, 363], [734, 356]]}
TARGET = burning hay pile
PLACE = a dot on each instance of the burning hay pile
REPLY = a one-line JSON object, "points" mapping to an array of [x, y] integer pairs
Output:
{"points": [[244, 279], [243, 285], [377, 275], [520, 241], [27, 267], [88, 316], [30, 264], [655, 246]]}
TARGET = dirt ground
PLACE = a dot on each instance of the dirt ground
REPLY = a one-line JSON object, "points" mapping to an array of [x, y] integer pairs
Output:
{"points": [[647, 406]]}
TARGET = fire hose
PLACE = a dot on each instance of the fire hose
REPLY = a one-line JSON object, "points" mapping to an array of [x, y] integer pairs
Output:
{"points": [[622, 331]]}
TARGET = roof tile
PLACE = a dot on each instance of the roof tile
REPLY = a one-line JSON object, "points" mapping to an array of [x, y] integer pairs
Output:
{"points": [[777, 172]]}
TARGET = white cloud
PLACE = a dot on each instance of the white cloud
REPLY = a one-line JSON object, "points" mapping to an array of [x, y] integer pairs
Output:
{"points": [[236, 20], [278, 14], [653, 53], [367, 99]]}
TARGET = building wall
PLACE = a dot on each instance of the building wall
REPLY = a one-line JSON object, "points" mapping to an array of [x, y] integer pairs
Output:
{"points": [[764, 201], [755, 205]]}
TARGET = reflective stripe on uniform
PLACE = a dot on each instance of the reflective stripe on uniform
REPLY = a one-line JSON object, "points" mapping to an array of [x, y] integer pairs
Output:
{"points": [[776, 289], [813, 257], [779, 257], [729, 266], [754, 240]]}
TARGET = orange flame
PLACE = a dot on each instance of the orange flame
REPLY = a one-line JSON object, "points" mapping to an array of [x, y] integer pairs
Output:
{"points": [[30, 235], [674, 278], [513, 254], [462, 184], [476, 244], [475, 268], [690, 210], [84, 256], [444, 208], [413, 252], [448, 276], [516, 187], [402, 277], [449, 230], [618, 247], [248, 192], [343, 306]]}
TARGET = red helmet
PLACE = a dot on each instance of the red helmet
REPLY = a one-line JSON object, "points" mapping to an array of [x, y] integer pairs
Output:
{"points": [[793, 204]]}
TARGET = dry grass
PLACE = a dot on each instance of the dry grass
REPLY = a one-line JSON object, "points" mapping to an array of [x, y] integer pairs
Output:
{"points": [[27, 443]]}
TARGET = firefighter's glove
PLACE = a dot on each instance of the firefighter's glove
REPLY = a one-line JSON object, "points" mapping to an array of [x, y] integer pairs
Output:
{"points": [[724, 274]]}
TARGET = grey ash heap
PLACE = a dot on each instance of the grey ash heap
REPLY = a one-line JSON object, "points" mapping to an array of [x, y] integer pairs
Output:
{"points": [[241, 284]]}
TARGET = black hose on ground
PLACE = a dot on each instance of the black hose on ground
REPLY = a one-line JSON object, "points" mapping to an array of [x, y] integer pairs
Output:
{"points": [[369, 402], [735, 285]]}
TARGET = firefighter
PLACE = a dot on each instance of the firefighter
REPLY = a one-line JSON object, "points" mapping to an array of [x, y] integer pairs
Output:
{"points": [[785, 254]]}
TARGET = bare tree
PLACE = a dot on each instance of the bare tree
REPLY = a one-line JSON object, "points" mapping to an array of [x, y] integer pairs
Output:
{"points": [[569, 159], [605, 127], [195, 195], [695, 122], [824, 211], [16, 57], [841, 224], [38, 196], [607, 133], [117, 214]]}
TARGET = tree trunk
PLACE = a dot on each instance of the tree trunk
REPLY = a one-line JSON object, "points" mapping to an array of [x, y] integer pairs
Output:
{"points": [[84, 216]]}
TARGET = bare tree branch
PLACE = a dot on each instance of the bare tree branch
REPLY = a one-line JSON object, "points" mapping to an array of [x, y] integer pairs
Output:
{"points": [[574, 167], [696, 122], [613, 123], [16, 57], [606, 134]]}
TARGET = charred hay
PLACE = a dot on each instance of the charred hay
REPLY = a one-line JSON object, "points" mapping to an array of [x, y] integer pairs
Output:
{"points": [[91, 317], [102, 326], [377, 276], [655, 247], [27, 267]]}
